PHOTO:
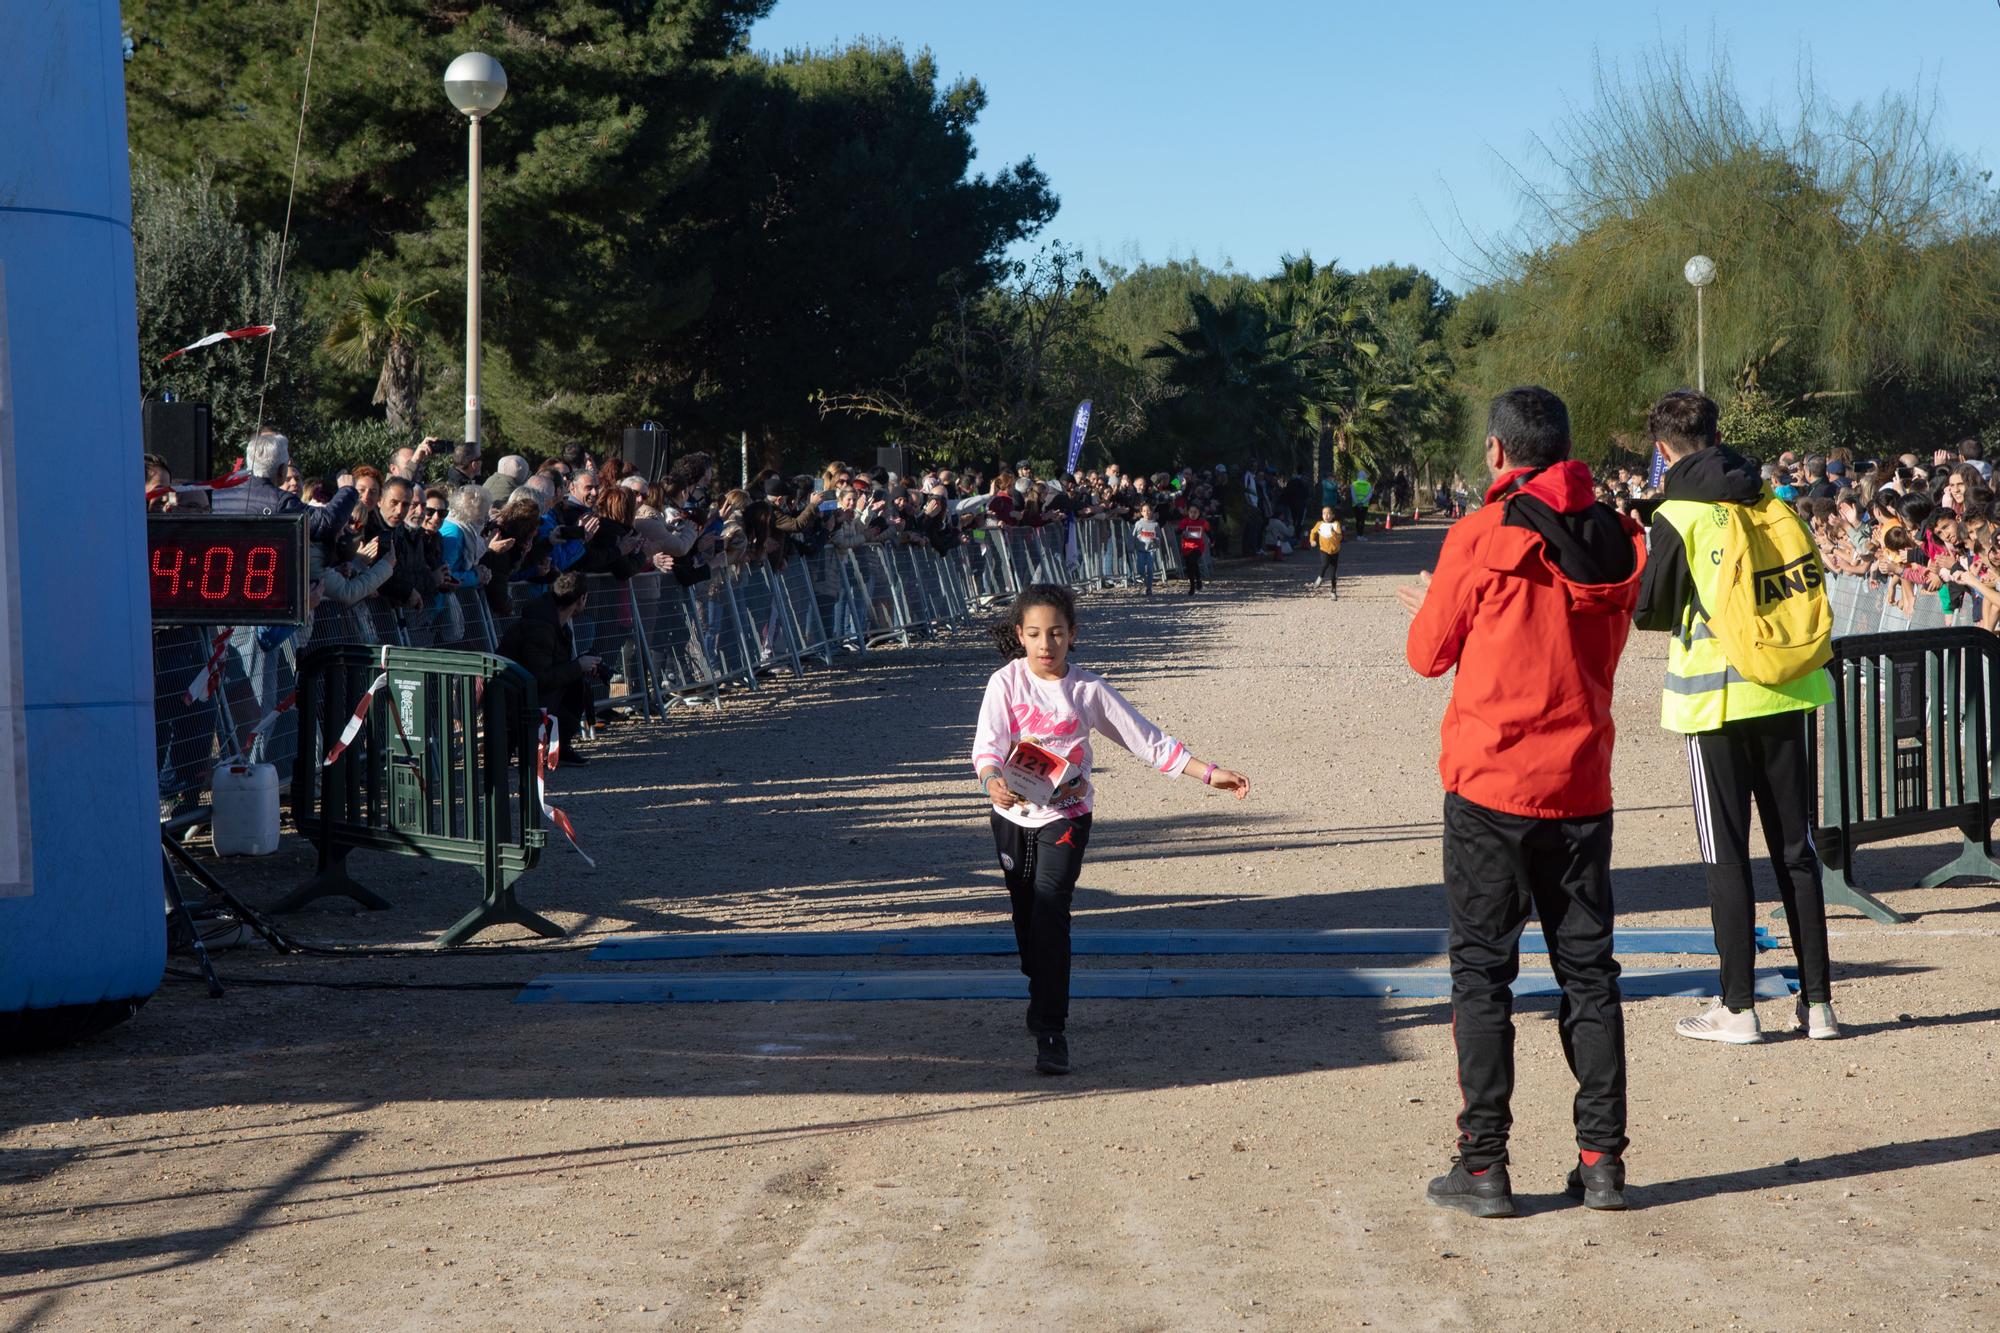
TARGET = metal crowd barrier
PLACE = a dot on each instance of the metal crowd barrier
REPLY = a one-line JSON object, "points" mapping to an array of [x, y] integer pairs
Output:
{"points": [[1862, 606], [443, 765], [666, 642], [1909, 750]]}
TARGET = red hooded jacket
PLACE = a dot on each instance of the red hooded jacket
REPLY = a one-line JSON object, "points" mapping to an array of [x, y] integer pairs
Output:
{"points": [[1532, 602]]}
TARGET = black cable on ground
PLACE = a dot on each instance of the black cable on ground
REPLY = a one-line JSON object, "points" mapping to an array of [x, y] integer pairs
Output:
{"points": [[432, 951], [224, 924], [180, 975]]}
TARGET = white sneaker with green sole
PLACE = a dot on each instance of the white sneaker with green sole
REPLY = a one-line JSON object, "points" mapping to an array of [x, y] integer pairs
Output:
{"points": [[1721, 1024], [1816, 1021]]}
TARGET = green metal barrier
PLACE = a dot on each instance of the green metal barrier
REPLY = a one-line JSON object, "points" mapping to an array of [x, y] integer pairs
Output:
{"points": [[1909, 752], [442, 766]]}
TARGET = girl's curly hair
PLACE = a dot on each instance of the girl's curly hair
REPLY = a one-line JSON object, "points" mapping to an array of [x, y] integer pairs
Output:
{"points": [[1006, 630]]}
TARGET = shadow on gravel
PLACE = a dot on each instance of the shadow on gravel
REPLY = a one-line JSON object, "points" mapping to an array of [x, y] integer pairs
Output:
{"points": [[1836, 1166]]}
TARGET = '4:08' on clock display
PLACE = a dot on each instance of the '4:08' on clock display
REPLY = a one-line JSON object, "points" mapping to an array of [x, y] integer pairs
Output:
{"points": [[210, 570]]}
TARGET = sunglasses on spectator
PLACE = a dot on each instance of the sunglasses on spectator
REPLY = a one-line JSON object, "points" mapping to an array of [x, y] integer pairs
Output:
{"points": [[439, 512]]}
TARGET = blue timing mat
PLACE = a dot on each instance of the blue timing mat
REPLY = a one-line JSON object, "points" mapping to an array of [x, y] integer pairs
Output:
{"points": [[1134, 983], [972, 943]]}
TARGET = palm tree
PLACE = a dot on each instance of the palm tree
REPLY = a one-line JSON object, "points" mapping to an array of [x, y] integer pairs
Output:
{"points": [[1332, 336], [1232, 383], [378, 326]]}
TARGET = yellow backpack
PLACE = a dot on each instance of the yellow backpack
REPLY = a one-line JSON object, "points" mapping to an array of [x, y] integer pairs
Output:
{"points": [[1772, 619]]}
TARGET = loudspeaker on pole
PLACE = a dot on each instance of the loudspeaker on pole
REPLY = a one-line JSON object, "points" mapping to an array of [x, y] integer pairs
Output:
{"points": [[179, 433], [645, 451], [893, 458]]}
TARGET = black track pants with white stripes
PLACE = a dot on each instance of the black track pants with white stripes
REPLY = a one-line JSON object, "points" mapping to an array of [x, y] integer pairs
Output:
{"points": [[1771, 759]]}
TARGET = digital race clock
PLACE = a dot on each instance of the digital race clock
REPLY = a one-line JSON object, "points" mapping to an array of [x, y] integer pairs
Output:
{"points": [[208, 569]]}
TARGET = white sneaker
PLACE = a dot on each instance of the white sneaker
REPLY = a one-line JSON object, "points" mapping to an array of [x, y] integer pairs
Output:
{"points": [[1720, 1024], [1816, 1021]]}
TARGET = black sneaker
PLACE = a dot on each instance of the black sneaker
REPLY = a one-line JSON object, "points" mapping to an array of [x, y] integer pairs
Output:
{"points": [[1601, 1186], [1487, 1194], [1052, 1054]]}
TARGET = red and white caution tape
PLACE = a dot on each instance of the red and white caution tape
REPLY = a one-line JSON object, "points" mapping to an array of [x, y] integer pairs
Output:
{"points": [[353, 727], [248, 331], [268, 721], [547, 747], [230, 482], [202, 687]]}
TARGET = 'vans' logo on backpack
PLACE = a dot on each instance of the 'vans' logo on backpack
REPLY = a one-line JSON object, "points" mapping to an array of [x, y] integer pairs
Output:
{"points": [[1800, 576]]}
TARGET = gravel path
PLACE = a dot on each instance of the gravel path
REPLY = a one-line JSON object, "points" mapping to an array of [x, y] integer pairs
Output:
{"points": [[297, 1156]]}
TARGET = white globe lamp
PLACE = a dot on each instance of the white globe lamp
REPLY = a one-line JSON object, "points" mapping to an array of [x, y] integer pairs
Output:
{"points": [[475, 83]]}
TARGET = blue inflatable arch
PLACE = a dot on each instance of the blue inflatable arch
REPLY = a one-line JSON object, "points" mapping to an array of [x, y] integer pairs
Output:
{"points": [[82, 934]]}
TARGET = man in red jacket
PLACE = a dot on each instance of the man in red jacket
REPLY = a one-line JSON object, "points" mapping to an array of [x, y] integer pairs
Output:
{"points": [[1532, 603]]}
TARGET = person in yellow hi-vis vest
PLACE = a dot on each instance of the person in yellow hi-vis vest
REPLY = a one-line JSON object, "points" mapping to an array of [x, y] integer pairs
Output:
{"points": [[1734, 576]]}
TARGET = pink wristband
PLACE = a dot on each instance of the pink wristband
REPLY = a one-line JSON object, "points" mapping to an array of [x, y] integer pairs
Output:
{"points": [[1205, 778]]}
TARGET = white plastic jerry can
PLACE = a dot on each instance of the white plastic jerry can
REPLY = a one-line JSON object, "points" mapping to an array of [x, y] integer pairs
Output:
{"points": [[245, 819]]}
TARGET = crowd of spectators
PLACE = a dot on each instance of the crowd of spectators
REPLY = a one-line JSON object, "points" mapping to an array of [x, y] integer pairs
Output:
{"points": [[524, 536], [1910, 526], [389, 536]]}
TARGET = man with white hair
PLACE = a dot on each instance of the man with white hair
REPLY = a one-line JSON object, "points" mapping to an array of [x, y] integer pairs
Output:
{"points": [[508, 473], [265, 458]]}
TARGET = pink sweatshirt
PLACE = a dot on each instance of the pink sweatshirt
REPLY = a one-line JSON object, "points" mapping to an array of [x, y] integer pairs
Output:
{"points": [[1060, 715]]}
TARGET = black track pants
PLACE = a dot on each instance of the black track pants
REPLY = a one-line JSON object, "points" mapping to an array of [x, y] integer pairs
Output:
{"points": [[1329, 570], [1191, 562], [1041, 866], [1771, 759], [1496, 868]]}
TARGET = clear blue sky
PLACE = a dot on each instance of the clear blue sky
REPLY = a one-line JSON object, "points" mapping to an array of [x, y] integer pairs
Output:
{"points": [[1248, 129]]}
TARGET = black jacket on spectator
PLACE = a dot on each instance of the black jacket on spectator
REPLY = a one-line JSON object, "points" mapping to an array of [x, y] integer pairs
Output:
{"points": [[940, 529], [544, 646], [602, 556], [416, 564], [501, 564], [546, 650]]}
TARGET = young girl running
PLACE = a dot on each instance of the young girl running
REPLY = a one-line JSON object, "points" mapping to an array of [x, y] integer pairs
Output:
{"points": [[1327, 536], [1194, 545], [1038, 696]]}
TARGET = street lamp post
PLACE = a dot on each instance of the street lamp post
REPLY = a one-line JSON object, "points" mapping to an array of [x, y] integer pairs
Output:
{"points": [[475, 83], [1699, 271]]}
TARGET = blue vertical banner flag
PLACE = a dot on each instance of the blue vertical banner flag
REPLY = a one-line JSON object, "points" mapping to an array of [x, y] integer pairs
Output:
{"points": [[1659, 469], [1077, 430]]}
